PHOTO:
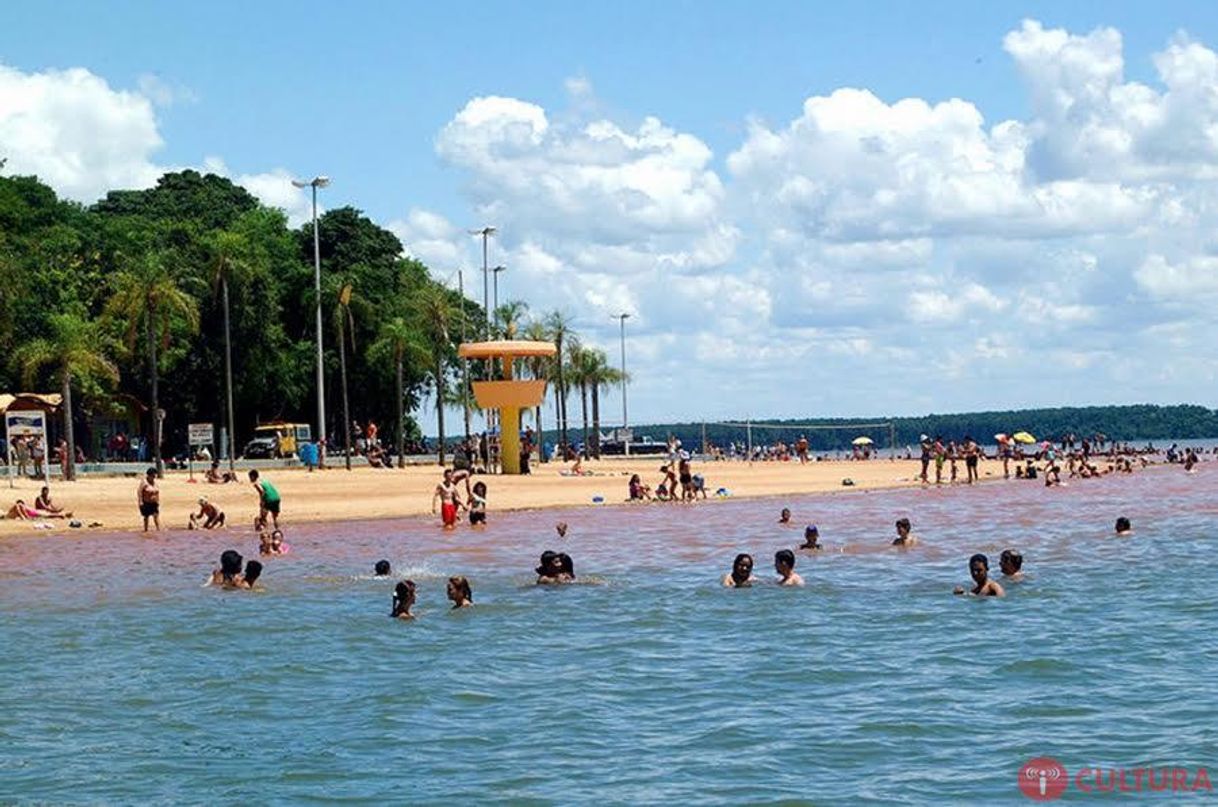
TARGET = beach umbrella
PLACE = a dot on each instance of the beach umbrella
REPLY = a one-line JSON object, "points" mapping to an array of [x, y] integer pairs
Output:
{"points": [[862, 441], [1023, 437]]}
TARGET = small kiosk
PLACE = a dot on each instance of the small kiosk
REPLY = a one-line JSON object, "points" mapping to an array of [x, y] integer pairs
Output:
{"points": [[509, 395]]}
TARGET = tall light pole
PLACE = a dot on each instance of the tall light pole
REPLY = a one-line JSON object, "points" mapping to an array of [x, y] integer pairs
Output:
{"points": [[315, 183], [497, 270], [621, 318], [486, 233]]}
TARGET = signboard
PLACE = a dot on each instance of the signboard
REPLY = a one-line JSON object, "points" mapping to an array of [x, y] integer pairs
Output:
{"points": [[29, 423], [201, 434]]}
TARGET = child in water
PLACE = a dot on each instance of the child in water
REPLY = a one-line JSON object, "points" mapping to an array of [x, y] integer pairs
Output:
{"points": [[403, 599], [477, 505], [230, 569], [382, 568], [784, 564], [904, 538], [1123, 527], [741, 575], [979, 569], [784, 517], [811, 538], [555, 567], [271, 543], [1011, 564], [459, 592]]}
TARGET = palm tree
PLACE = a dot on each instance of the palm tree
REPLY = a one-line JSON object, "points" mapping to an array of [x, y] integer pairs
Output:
{"points": [[343, 318], [227, 262], [559, 326], [73, 349], [508, 318], [402, 343], [539, 366], [146, 295], [436, 312], [579, 358], [600, 374]]}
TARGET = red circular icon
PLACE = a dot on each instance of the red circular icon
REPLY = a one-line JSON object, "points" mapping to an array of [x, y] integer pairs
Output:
{"points": [[1043, 779]]}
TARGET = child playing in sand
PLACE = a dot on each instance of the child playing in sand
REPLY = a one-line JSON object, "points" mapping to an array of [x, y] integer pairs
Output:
{"points": [[208, 518]]}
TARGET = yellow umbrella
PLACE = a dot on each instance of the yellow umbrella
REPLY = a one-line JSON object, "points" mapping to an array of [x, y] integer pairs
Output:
{"points": [[862, 441], [1023, 437]]}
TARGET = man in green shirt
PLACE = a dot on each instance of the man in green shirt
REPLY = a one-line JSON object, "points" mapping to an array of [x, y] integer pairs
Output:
{"points": [[268, 499]]}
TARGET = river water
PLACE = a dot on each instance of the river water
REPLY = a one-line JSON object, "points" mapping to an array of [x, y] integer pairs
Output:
{"points": [[122, 680]]}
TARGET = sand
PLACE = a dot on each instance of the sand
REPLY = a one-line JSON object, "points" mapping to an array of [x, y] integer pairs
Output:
{"points": [[339, 495]]}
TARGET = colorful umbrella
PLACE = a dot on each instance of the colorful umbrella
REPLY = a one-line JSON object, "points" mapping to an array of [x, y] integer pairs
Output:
{"points": [[862, 441], [1023, 437]]}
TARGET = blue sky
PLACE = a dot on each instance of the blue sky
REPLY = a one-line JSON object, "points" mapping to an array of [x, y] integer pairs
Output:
{"points": [[372, 94]]}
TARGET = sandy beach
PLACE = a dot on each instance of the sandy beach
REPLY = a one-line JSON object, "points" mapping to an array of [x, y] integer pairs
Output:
{"points": [[340, 495]]}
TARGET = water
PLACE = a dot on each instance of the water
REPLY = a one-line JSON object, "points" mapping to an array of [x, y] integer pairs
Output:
{"points": [[123, 680]]}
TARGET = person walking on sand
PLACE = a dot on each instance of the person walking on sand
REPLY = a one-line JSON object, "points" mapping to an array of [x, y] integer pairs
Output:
{"points": [[268, 498], [148, 495], [927, 445]]}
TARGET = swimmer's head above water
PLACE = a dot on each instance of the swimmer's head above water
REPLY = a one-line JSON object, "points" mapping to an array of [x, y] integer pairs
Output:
{"points": [[784, 562], [459, 592], [382, 568], [1123, 526], [230, 564], [784, 517], [1010, 562], [403, 598], [979, 568], [811, 537], [742, 569]]}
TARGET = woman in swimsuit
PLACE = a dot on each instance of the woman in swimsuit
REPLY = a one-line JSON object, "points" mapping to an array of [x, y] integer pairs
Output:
{"points": [[477, 505], [459, 592], [403, 599], [741, 575]]}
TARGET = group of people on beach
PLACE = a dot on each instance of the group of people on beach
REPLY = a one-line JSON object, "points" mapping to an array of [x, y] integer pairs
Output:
{"points": [[210, 516]]}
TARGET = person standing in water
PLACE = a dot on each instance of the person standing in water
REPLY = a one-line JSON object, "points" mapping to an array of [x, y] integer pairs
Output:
{"points": [[446, 494], [149, 497], [979, 570], [1011, 564], [784, 517], [268, 498], [1123, 527], [741, 575], [382, 568], [784, 564], [403, 600], [459, 592], [811, 538], [477, 505], [555, 567]]}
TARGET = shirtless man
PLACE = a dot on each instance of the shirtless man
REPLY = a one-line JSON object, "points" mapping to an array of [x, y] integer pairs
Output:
{"points": [[208, 518], [979, 570], [44, 503], [148, 495], [904, 538], [972, 453], [450, 502]]}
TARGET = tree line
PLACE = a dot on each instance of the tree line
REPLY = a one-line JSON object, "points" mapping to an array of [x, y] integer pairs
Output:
{"points": [[194, 298]]}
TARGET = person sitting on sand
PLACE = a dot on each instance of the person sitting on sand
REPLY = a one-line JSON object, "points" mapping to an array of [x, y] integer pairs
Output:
{"points": [[459, 592], [268, 498], [44, 503], [253, 570], [904, 538], [638, 491], [741, 575], [811, 538], [215, 477], [784, 517], [1011, 564], [382, 568], [1123, 527], [208, 518], [230, 569], [555, 567], [446, 494], [784, 564], [979, 569], [477, 505], [23, 512], [403, 599]]}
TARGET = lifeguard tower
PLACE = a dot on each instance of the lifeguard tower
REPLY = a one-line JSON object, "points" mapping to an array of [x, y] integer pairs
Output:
{"points": [[509, 395]]}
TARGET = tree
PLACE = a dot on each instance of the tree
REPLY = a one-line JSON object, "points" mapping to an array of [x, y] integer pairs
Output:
{"points": [[346, 329], [600, 374], [580, 367], [435, 311], [558, 325], [539, 367], [74, 349], [227, 259], [146, 295], [403, 344]]}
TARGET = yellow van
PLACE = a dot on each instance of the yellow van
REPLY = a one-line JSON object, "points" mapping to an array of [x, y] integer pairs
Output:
{"points": [[277, 439]]}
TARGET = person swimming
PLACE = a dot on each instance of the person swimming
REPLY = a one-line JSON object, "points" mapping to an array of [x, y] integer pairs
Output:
{"points": [[741, 575], [811, 538], [1011, 564], [979, 570], [229, 571], [403, 599], [459, 592], [784, 564], [904, 536], [784, 517], [253, 570], [555, 567], [382, 568], [561, 529], [1123, 526]]}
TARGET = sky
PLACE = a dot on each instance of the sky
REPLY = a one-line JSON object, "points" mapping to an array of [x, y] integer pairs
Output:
{"points": [[809, 210]]}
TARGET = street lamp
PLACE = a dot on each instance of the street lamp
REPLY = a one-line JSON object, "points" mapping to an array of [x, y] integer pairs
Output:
{"points": [[621, 318], [315, 183], [497, 270], [486, 233]]}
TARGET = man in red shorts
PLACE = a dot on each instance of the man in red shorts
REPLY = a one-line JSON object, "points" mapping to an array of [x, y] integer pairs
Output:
{"points": [[446, 494]]}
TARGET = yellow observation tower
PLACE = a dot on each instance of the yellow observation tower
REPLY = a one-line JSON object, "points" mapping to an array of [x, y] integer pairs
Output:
{"points": [[508, 394]]}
